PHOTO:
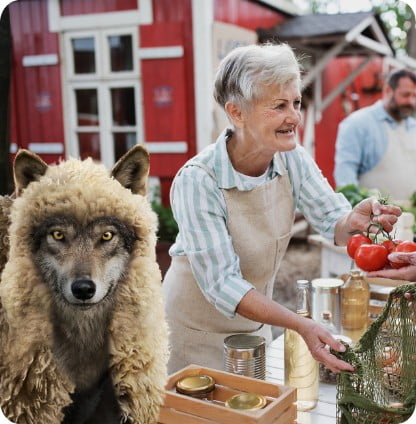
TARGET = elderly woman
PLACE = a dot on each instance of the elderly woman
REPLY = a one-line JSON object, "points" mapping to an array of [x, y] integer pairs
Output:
{"points": [[234, 204]]}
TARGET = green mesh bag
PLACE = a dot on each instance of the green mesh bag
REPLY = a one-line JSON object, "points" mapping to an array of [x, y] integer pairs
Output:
{"points": [[382, 390]]}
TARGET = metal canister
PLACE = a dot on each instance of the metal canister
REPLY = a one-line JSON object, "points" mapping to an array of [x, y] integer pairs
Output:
{"points": [[245, 354], [326, 297]]}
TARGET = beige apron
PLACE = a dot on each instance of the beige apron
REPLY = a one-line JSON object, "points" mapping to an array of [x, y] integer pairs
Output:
{"points": [[260, 223], [395, 174]]}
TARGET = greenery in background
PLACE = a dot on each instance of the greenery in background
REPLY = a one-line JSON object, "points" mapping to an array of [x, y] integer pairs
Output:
{"points": [[354, 194], [396, 15], [412, 209], [168, 228]]}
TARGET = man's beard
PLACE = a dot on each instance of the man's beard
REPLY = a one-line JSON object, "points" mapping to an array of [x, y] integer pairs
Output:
{"points": [[399, 112]]}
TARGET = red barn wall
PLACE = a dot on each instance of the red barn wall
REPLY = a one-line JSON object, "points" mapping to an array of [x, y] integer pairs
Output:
{"points": [[36, 100], [367, 88]]}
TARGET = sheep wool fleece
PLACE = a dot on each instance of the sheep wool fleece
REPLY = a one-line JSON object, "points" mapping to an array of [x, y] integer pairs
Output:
{"points": [[33, 389]]}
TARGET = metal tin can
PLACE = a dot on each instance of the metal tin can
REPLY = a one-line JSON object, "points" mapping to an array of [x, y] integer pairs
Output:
{"points": [[245, 354], [199, 386], [246, 402]]}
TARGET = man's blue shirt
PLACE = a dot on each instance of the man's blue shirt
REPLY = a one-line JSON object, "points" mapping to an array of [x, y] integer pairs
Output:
{"points": [[362, 141]]}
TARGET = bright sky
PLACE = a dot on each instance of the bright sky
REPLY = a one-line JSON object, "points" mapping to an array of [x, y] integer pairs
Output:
{"points": [[345, 6]]}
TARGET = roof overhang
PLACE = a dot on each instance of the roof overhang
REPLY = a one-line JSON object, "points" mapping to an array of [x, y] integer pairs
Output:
{"points": [[321, 38]]}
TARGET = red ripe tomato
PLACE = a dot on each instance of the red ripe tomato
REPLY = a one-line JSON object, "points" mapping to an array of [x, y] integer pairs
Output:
{"points": [[355, 241], [390, 245], [371, 257], [404, 246]]}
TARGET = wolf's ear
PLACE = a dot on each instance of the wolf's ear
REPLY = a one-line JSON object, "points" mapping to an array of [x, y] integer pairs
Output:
{"points": [[132, 170], [27, 167]]}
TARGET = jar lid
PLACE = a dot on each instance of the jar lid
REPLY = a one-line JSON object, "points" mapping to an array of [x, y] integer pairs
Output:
{"points": [[246, 401], [195, 384], [327, 283]]}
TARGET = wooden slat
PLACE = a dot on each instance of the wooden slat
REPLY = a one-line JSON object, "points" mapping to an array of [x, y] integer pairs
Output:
{"points": [[179, 408]]}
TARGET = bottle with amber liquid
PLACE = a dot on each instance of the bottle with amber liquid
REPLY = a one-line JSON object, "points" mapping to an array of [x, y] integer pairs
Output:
{"points": [[355, 297], [301, 369]]}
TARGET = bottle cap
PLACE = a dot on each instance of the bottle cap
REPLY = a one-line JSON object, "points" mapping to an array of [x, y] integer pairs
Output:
{"points": [[326, 315], [302, 283], [195, 384], [246, 401]]}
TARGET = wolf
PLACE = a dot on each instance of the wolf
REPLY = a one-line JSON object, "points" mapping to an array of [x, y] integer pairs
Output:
{"points": [[83, 336]]}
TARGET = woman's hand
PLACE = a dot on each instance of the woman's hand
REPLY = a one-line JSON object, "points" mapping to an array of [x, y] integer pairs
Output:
{"points": [[406, 273], [316, 337], [371, 210], [362, 215]]}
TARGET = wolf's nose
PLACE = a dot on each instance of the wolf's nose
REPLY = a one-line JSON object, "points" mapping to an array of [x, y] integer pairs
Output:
{"points": [[83, 289]]}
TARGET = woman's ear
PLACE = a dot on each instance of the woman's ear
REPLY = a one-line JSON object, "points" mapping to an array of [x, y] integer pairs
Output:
{"points": [[235, 114]]}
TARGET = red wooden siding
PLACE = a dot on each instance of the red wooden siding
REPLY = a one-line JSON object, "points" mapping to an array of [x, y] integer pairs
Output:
{"points": [[164, 95], [36, 100], [246, 14], [80, 7], [363, 85]]}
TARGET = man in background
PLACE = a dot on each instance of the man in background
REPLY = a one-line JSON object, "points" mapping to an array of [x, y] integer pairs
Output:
{"points": [[376, 145]]}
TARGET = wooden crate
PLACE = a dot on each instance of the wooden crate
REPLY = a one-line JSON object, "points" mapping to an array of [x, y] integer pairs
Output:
{"points": [[182, 409]]}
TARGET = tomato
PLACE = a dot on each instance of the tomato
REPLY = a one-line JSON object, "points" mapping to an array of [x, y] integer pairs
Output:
{"points": [[355, 241], [371, 257], [404, 246], [390, 245]]}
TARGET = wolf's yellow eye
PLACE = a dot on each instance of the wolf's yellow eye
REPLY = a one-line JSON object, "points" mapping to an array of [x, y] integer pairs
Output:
{"points": [[108, 235], [58, 235]]}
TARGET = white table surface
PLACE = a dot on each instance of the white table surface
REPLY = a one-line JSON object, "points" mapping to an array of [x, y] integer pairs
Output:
{"points": [[325, 410]]}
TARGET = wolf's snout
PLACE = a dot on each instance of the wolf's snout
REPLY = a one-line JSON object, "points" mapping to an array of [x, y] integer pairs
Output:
{"points": [[83, 289]]}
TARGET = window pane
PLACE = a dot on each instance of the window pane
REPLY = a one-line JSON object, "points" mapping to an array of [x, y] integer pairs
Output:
{"points": [[87, 107], [89, 145], [123, 105], [123, 142], [121, 53], [84, 55]]}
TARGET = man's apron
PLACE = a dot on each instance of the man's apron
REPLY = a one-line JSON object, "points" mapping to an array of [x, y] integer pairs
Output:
{"points": [[395, 174], [260, 223]]}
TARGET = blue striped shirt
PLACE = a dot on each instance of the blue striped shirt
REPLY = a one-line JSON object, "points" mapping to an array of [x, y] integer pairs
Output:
{"points": [[199, 209]]}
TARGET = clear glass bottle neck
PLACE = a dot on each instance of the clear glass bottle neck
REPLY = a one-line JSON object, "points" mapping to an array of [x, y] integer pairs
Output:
{"points": [[303, 306]]}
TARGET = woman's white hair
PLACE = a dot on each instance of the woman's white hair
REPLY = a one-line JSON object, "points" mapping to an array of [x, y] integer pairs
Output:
{"points": [[245, 73]]}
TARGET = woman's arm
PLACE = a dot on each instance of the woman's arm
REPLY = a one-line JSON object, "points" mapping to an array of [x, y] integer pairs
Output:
{"points": [[257, 307]]}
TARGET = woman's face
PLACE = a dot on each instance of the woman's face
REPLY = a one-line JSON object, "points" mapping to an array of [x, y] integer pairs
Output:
{"points": [[272, 121]]}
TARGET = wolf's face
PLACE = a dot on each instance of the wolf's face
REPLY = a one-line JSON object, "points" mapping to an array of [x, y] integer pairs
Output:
{"points": [[82, 263]]}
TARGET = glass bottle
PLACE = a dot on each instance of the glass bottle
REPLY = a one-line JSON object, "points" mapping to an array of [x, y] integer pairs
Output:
{"points": [[355, 296], [325, 374], [301, 369], [327, 322]]}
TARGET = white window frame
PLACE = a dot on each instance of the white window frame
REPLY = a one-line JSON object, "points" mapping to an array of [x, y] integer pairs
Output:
{"points": [[57, 23], [102, 80]]}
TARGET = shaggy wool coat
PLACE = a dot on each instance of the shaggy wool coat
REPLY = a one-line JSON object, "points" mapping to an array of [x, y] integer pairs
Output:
{"points": [[32, 387]]}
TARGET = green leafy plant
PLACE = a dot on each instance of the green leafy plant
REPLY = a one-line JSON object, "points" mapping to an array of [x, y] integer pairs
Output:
{"points": [[168, 228], [354, 194]]}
